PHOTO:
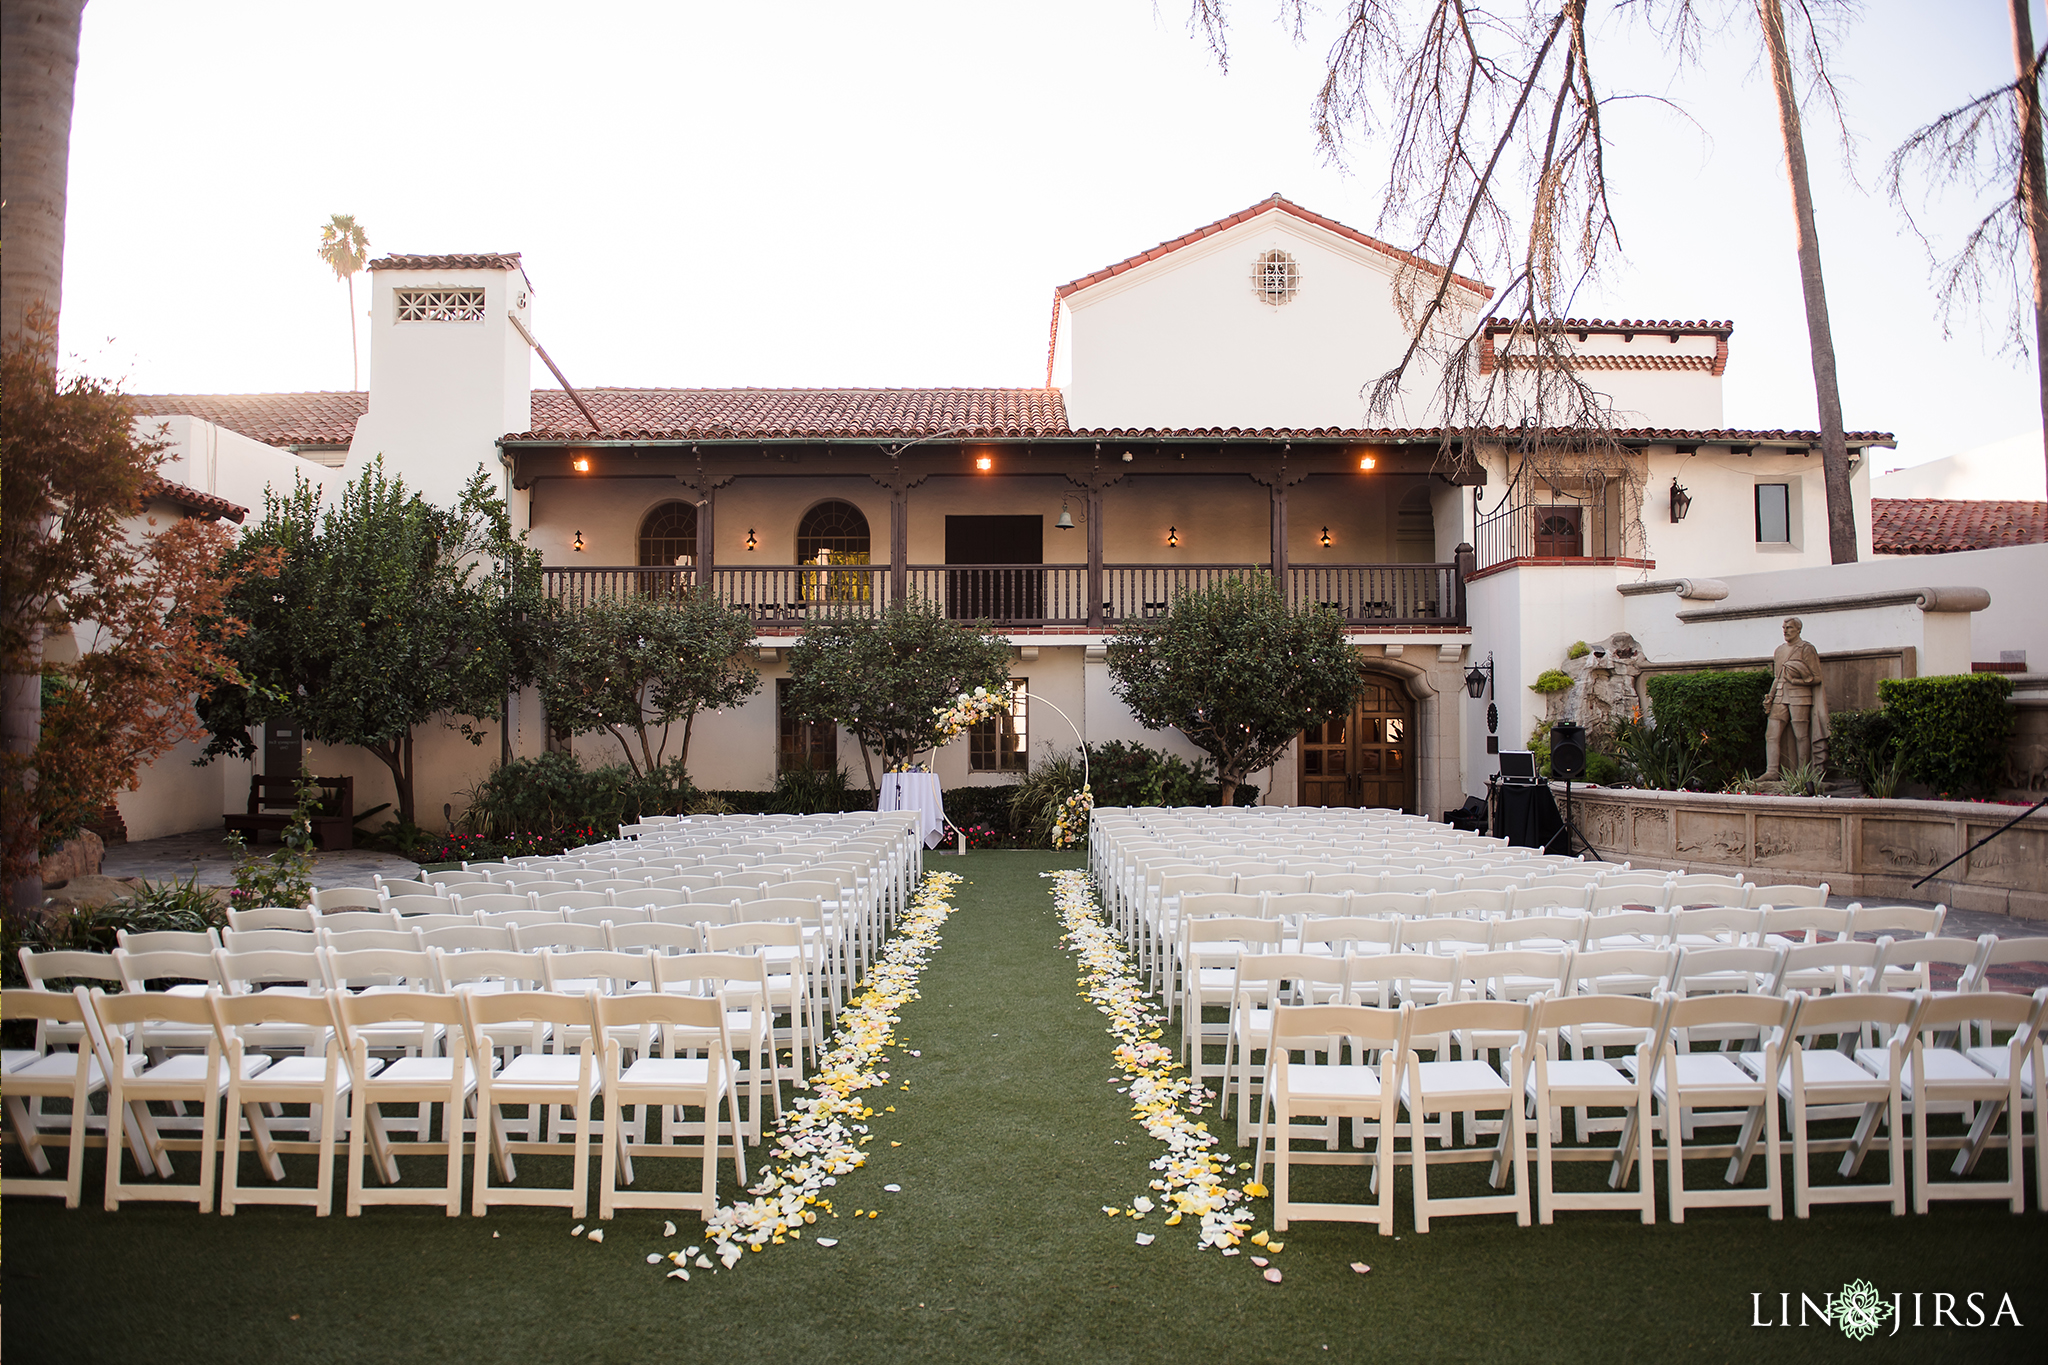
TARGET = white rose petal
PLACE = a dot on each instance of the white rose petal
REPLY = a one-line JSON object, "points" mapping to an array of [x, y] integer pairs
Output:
{"points": [[1145, 1239], [654, 1258], [828, 1241], [679, 1274], [1361, 1267], [893, 1189], [597, 1234], [668, 1229], [576, 1231]]}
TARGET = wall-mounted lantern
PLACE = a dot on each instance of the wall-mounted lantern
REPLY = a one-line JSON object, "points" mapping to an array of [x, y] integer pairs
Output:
{"points": [[1681, 502], [578, 546], [1172, 537]]}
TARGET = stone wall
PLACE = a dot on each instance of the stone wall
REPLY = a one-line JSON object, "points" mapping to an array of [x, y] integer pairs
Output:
{"points": [[1869, 850]]}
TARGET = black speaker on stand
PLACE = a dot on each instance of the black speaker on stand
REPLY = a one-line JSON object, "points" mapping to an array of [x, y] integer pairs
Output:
{"points": [[1568, 761]]}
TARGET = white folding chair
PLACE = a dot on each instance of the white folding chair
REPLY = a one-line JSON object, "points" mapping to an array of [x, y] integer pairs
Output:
{"points": [[1552, 1083], [689, 1024], [73, 1076], [320, 1082], [420, 1078], [183, 1078], [1816, 1077], [1331, 1090], [541, 1081], [1467, 1085], [1687, 1083]]}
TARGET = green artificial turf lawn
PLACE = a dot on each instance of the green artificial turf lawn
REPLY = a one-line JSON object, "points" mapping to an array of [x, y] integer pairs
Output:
{"points": [[995, 1249]]}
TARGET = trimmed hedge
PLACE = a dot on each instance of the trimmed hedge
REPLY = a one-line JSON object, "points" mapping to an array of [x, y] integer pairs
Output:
{"points": [[1722, 712], [1952, 729]]}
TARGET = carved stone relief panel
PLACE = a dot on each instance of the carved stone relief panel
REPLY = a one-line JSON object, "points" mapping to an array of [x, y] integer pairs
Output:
{"points": [[1652, 831], [1905, 845], [1714, 836], [2014, 858], [1603, 826], [1805, 842]]}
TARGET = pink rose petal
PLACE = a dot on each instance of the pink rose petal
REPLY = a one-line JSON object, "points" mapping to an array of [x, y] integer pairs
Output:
{"points": [[1361, 1267], [1272, 1277]]}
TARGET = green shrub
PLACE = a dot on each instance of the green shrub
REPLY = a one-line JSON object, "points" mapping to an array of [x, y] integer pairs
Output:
{"points": [[1952, 730], [1601, 767], [809, 791], [1864, 745], [553, 791], [1551, 680], [1035, 802], [1661, 757], [1579, 650], [1719, 714], [1125, 774]]}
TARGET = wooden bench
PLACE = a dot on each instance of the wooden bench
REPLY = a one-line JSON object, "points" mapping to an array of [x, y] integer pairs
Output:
{"points": [[272, 800]]}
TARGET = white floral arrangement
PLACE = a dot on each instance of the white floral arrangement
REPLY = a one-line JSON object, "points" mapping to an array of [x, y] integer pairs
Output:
{"points": [[1070, 826], [969, 708]]}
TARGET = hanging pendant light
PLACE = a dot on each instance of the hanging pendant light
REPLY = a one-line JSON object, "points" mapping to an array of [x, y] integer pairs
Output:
{"points": [[1066, 518]]}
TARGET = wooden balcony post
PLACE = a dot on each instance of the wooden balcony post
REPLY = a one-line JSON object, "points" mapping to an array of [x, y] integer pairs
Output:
{"points": [[899, 543], [1095, 558], [1279, 489], [1467, 564]]}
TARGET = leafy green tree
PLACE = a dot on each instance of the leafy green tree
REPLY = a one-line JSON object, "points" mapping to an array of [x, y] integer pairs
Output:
{"points": [[386, 613], [1237, 672], [884, 677], [634, 668]]}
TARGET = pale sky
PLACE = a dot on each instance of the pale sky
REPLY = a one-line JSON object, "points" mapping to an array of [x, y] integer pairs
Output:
{"points": [[886, 194]]}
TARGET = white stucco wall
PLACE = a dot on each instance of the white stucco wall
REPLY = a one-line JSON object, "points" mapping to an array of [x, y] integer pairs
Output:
{"points": [[442, 393], [227, 464], [1183, 340]]}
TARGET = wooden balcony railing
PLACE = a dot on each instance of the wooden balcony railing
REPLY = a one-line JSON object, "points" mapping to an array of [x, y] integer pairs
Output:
{"points": [[1026, 596]]}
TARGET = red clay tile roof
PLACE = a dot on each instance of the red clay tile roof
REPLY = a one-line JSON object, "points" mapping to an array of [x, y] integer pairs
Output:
{"points": [[192, 500], [276, 419], [814, 414], [1933, 526], [494, 260], [1272, 205], [1624, 326], [715, 414]]}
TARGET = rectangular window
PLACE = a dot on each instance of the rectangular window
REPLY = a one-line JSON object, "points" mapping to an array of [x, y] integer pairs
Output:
{"points": [[440, 305], [1002, 744], [1773, 514], [802, 743]]}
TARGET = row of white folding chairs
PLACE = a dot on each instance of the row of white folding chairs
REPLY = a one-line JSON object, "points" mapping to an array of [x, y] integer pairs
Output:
{"points": [[236, 1083], [765, 962], [853, 917], [1415, 958], [1165, 900], [1912, 932], [1796, 1070]]}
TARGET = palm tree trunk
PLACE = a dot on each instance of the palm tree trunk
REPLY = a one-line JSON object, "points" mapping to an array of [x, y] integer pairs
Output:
{"points": [[355, 372], [1834, 450], [38, 74], [2033, 198]]}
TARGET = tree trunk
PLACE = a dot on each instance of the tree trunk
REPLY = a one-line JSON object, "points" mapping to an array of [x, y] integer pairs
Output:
{"points": [[2033, 198], [38, 70], [355, 365], [1226, 791], [38, 74], [397, 756], [1834, 450]]}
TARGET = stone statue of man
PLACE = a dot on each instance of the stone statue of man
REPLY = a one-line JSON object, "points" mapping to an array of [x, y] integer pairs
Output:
{"points": [[1797, 702]]}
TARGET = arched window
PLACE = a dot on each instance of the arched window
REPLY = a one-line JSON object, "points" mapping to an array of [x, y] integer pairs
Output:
{"points": [[837, 527], [668, 535]]}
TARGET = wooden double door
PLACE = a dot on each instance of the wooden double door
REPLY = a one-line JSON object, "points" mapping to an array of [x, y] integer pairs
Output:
{"points": [[1364, 758]]}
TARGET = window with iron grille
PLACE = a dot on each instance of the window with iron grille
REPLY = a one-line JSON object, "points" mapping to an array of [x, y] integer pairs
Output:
{"points": [[668, 535], [440, 305], [802, 743], [1276, 278], [1002, 744]]}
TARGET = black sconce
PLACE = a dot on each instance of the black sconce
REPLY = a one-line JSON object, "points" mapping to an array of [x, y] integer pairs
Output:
{"points": [[1326, 537], [750, 537], [1172, 537], [1681, 502], [578, 546], [1479, 679]]}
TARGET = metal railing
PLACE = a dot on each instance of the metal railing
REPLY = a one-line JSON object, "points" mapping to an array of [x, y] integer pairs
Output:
{"points": [[1024, 596]]}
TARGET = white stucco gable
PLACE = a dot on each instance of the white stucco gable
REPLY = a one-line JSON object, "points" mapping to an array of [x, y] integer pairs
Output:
{"points": [[1185, 336]]}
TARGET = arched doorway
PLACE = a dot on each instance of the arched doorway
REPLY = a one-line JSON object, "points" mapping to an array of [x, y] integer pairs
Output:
{"points": [[838, 529], [1365, 758]]}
